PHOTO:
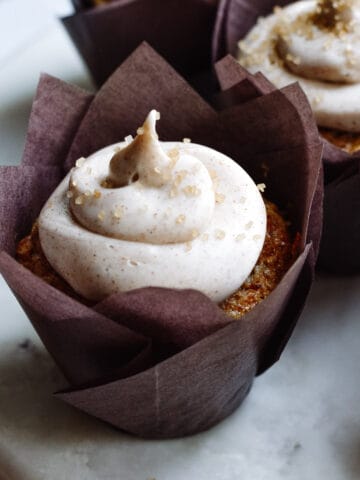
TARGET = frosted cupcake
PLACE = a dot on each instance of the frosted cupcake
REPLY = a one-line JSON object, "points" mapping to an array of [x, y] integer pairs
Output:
{"points": [[134, 358], [313, 43], [165, 214]]}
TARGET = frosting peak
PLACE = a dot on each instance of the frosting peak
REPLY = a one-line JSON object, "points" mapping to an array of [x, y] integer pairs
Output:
{"points": [[145, 194], [143, 159]]}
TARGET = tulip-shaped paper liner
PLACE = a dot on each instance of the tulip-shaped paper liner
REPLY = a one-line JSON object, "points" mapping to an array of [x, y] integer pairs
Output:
{"points": [[180, 31], [159, 362], [339, 250]]}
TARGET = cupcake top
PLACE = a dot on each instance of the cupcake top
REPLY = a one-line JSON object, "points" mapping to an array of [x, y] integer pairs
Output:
{"points": [[314, 42], [149, 213]]}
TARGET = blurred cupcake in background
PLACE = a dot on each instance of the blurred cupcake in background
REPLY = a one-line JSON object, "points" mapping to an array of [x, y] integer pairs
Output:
{"points": [[315, 43], [105, 32]]}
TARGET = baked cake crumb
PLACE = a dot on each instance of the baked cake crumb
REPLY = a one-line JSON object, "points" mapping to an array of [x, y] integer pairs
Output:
{"points": [[278, 253]]}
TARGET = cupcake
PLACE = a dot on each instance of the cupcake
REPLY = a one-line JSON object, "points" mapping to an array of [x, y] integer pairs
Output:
{"points": [[156, 361], [167, 214], [312, 42], [106, 32]]}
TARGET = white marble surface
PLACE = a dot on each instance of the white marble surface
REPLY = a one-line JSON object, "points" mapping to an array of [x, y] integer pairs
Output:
{"points": [[301, 420]]}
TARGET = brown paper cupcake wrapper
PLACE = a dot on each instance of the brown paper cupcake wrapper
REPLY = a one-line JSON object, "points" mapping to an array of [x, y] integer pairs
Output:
{"points": [[339, 250], [157, 362], [180, 31]]}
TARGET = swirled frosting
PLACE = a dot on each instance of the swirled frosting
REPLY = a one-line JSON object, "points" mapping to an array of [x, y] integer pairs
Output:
{"points": [[317, 43], [150, 213]]}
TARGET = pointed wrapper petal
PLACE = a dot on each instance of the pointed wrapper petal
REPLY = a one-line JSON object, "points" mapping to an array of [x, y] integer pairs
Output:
{"points": [[339, 250], [180, 31], [115, 379], [174, 318], [23, 191], [212, 378], [238, 86], [126, 98], [230, 73], [57, 110]]}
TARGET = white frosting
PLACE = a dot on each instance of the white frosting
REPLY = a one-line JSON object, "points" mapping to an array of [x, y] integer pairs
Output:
{"points": [[149, 209], [288, 46], [177, 215]]}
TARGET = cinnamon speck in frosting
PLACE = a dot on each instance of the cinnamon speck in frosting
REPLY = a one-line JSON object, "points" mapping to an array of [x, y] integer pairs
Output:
{"points": [[219, 197], [180, 219], [220, 234], [174, 153], [101, 215], [173, 193]]}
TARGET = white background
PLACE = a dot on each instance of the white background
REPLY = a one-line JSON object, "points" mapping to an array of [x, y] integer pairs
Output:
{"points": [[301, 420]]}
